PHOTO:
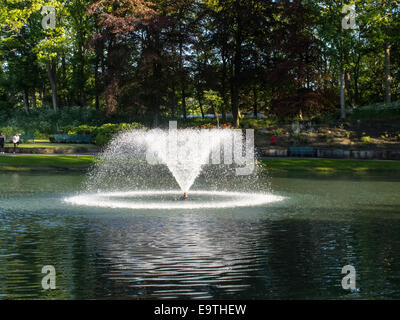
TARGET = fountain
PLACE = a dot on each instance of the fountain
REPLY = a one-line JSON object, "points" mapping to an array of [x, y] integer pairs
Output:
{"points": [[137, 163]]}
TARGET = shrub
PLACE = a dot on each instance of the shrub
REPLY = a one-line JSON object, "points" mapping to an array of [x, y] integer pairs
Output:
{"points": [[47, 121], [376, 111], [10, 131], [208, 126], [329, 139], [251, 123], [83, 129], [276, 132], [196, 122], [39, 135], [106, 132], [103, 134], [366, 139]]}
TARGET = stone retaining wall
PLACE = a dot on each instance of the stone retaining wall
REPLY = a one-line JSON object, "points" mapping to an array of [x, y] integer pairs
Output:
{"points": [[47, 150], [263, 152], [336, 153]]}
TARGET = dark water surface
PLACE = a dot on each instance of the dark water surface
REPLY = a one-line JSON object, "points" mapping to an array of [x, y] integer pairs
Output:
{"points": [[294, 249]]}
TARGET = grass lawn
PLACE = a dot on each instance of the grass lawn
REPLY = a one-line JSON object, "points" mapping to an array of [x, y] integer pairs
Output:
{"points": [[331, 166], [53, 145], [45, 163], [73, 162]]}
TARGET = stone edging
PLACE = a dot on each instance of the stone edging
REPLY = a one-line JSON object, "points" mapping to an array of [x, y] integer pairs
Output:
{"points": [[10, 150], [336, 153]]}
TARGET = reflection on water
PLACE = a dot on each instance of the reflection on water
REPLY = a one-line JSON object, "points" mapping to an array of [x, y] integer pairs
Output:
{"points": [[293, 249]]}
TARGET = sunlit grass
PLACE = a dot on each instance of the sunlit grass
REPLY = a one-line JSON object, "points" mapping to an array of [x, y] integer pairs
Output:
{"points": [[41, 160], [322, 166], [330, 166], [53, 145]]}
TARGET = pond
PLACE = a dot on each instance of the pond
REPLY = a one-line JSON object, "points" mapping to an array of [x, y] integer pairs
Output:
{"points": [[290, 249]]}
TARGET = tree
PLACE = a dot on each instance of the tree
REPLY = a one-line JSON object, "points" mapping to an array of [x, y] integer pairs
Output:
{"points": [[383, 31], [118, 23], [215, 102], [235, 22]]}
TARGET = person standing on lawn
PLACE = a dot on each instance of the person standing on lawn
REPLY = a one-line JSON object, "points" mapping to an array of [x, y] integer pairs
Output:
{"points": [[15, 140], [2, 141]]}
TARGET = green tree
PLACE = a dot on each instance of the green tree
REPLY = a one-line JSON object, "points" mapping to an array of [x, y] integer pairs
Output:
{"points": [[215, 102]]}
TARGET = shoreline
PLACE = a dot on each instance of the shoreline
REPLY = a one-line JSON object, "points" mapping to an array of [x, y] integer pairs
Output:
{"points": [[80, 163], [330, 153]]}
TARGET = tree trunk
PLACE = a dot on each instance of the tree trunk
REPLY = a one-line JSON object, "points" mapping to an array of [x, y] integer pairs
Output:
{"points": [[235, 87], [157, 76], [26, 100], [356, 88], [236, 79], [255, 106], [96, 81], [388, 77], [183, 93], [182, 77], [64, 98], [356, 76], [156, 103], [111, 80], [51, 72], [214, 110], [43, 94], [224, 95], [200, 99], [201, 110], [171, 102], [235, 104], [34, 103], [81, 89], [342, 96], [347, 82], [342, 79], [173, 99]]}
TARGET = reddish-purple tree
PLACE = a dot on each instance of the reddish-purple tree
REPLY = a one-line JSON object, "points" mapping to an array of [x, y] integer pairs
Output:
{"points": [[118, 25]]}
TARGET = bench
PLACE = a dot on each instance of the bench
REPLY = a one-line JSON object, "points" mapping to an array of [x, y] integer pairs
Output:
{"points": [[72, 138], [301, 151], [26, 137], [22, 138]]}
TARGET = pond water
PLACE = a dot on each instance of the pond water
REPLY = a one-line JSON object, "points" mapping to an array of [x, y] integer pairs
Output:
{"points": [[292, 249]]}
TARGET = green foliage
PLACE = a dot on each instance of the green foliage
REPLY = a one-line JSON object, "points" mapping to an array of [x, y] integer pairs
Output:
{"points": [[258, 123], [279, 57], [376, 111], [47, 121], [83, 129], [195, 122], [107, 131], [329, 139], [101, 135], [366, 139], [277, 132], [10, 131], [213, 99], [76, 120]]}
